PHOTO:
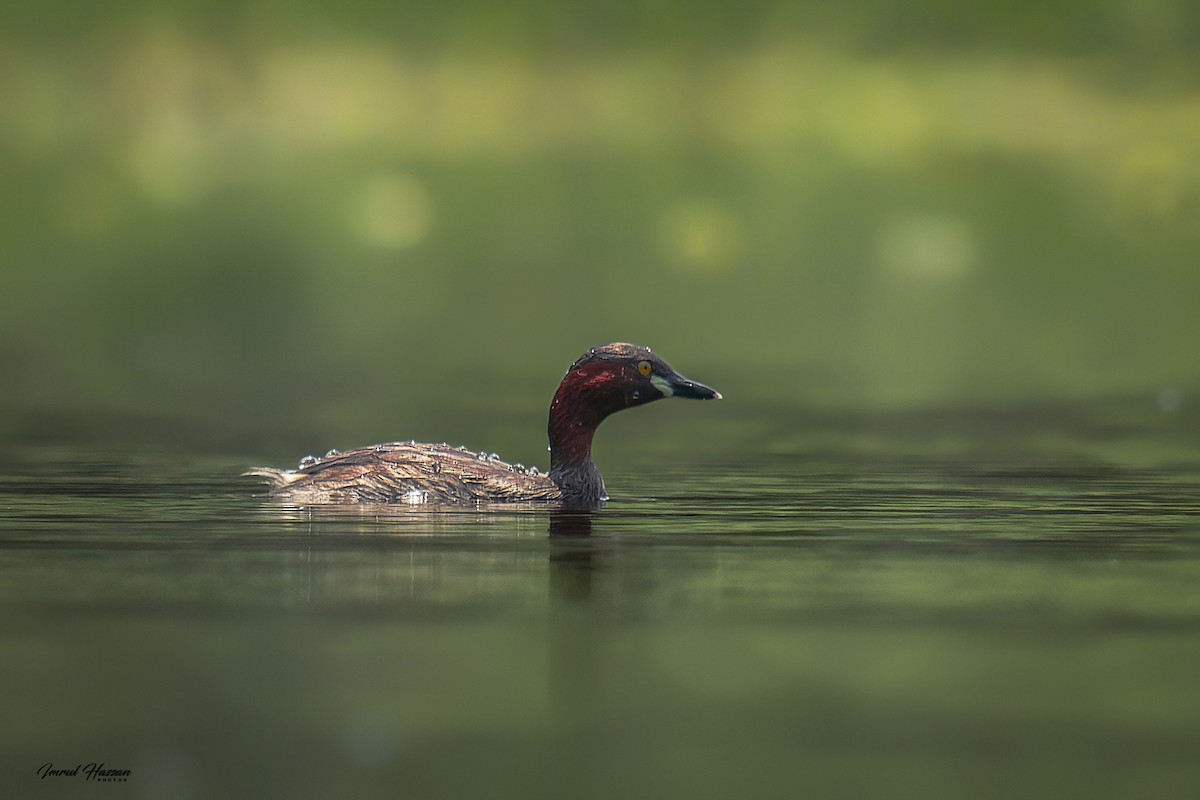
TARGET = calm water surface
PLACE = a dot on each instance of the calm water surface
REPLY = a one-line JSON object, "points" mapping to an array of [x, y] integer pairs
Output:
{"points": [[775, 625]]}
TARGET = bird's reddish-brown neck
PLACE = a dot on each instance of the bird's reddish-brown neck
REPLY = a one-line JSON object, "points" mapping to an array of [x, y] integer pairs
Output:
{"points": [[583, 400]]}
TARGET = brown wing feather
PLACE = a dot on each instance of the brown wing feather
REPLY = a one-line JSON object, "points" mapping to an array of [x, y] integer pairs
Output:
{"points": [[412, 473]]}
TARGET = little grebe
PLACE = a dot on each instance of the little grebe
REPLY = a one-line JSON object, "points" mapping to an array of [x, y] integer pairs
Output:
{"points": [[603, 381]]}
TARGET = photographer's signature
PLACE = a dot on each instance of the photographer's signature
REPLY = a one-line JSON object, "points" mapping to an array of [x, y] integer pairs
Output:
{"points": [[90, 772]]}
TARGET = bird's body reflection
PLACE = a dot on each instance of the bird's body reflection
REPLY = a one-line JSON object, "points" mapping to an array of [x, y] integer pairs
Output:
{"points": [[577, 636], [574, 560]]}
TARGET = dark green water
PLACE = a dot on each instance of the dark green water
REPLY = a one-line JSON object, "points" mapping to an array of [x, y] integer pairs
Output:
{"points": [[877, 619]]}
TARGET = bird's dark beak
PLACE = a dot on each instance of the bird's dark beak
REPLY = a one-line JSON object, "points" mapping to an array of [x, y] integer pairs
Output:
{"points": [[675, 385]]}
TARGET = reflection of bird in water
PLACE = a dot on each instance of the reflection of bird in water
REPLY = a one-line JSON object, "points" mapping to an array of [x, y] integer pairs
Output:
{"points": [[603, 381], [573, 557], [570, 524]]}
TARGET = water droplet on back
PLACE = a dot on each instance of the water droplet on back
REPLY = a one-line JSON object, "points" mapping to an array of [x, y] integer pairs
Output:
{"points": [[307, 461], [415, 496], [332, 453]]}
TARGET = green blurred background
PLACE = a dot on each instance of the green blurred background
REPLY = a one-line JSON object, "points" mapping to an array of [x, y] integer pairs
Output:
{"points": [[941, 259], [358, 221]]}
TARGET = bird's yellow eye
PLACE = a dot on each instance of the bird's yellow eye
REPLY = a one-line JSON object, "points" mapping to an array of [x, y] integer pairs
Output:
{"points": [[645, 367]]}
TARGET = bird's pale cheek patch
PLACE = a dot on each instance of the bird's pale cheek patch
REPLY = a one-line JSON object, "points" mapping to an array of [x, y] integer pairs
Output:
{"points": [[662, 384]]}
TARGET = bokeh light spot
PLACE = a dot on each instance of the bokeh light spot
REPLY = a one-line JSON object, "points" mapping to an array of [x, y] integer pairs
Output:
{"points": [[1157, 184], [929, 247], [701, 236], [370, 740], [393, 211], [1169, 400], [166, 159]]}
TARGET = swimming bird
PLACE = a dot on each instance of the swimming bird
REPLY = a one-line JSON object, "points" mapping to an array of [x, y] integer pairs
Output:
{"points": [[601, 382]]}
